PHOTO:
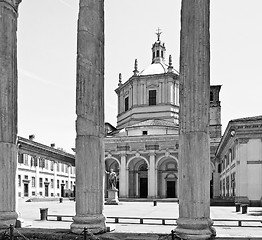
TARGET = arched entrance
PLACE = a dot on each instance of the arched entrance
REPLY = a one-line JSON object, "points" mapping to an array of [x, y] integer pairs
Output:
{"points": [[111, 163], [171, 185], [143, 181], [138, 178], [167, 180]]}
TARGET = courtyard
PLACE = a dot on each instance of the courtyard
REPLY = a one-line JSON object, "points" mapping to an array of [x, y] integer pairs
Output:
{"points": [[30, 213]]}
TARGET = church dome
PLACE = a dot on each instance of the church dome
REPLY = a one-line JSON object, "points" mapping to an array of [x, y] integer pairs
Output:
{"points": [[154, 68]]}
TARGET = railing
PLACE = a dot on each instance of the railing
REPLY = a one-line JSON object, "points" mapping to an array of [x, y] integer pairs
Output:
{"points": [[164, 221]]}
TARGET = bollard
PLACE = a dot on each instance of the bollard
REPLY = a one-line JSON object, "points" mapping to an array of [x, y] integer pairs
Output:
{"points": [[60, 199], [43, 214], [238, 205], [12, 232], [244, 208], [85, 233], [172, 235], [155, 202]]}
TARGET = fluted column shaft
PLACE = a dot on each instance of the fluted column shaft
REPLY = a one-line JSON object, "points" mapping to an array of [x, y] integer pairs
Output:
{"points": [[194, 151], [8, 111], [90, 118]]}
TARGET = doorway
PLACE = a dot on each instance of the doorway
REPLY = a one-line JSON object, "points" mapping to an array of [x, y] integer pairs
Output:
{"points": [[26, 192], [143, 188], [46, 190], [170, 189]]}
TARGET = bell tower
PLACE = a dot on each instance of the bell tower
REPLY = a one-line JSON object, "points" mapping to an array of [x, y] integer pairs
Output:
{"points": [[158, 50]]}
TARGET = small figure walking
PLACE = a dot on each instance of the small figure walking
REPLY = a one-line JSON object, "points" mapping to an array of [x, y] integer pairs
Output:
{"points": [[112, 179]]}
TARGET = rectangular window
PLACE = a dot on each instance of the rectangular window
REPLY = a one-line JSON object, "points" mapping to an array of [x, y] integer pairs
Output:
{"points": [[57, 184], [20, 158], [25, 156], [57, 167], [152, 97], [62, 167], [66, 168], [19, 181], [40, 182], [126, 103], [46, 164], [52, 183], [219, 168], [144, 132], [42, 162], [33, 181], [52, 166], [26, 177]]}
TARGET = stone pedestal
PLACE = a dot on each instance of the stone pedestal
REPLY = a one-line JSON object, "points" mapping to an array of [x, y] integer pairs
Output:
{"points": [[8, 111], [194, 144], [112, 197], [90, 166]]}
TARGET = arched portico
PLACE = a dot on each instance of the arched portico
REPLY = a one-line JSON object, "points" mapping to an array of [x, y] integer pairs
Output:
{"points": [[138, 177], [167, 177], [111, 163]]}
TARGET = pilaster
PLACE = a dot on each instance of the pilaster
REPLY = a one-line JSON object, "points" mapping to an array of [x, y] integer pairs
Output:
{"points": [[37, 176], [194, 151], [123, 184], [152, 176], [90, 118], [8, 111], [55, 179], [241, 172]]}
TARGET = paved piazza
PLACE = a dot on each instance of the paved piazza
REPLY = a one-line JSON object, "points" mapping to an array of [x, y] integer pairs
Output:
{"points": [[30, 213]]}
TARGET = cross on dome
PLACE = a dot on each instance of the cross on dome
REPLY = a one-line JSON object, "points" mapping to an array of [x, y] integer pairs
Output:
{"points": [[158, 33]]}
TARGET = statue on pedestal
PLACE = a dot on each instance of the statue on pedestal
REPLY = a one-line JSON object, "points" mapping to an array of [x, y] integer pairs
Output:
{"points": [[112, 179]]}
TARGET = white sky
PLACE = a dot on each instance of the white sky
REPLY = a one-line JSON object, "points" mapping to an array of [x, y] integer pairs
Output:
{"points": [[47, 58]]}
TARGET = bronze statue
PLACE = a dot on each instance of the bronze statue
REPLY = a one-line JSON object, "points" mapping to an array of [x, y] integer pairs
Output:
{"points": [[112, 179]]}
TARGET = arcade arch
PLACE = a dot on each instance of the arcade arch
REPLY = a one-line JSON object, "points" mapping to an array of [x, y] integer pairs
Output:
{"points": [[111, 163], [138, 177], [167, 176]]}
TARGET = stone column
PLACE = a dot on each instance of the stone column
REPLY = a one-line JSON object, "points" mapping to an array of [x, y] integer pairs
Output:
{"points": [[122, 180], [90, 167], [194, 151], [8, 111], [152, 176]]}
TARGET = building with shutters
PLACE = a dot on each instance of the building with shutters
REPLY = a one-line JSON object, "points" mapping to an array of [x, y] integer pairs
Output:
{"points": [[44, 171]]}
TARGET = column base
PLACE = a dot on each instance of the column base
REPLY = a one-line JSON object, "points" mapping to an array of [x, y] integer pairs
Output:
{"points": [[7, 218], [93, 223], [194, 228]]}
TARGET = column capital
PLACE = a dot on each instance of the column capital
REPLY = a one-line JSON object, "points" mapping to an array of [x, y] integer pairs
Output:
{"points": [[13, 3], [152, 153], [243, 140]]}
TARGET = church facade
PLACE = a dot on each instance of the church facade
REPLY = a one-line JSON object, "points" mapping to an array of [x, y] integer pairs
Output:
{"points": [[143, 148]]}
